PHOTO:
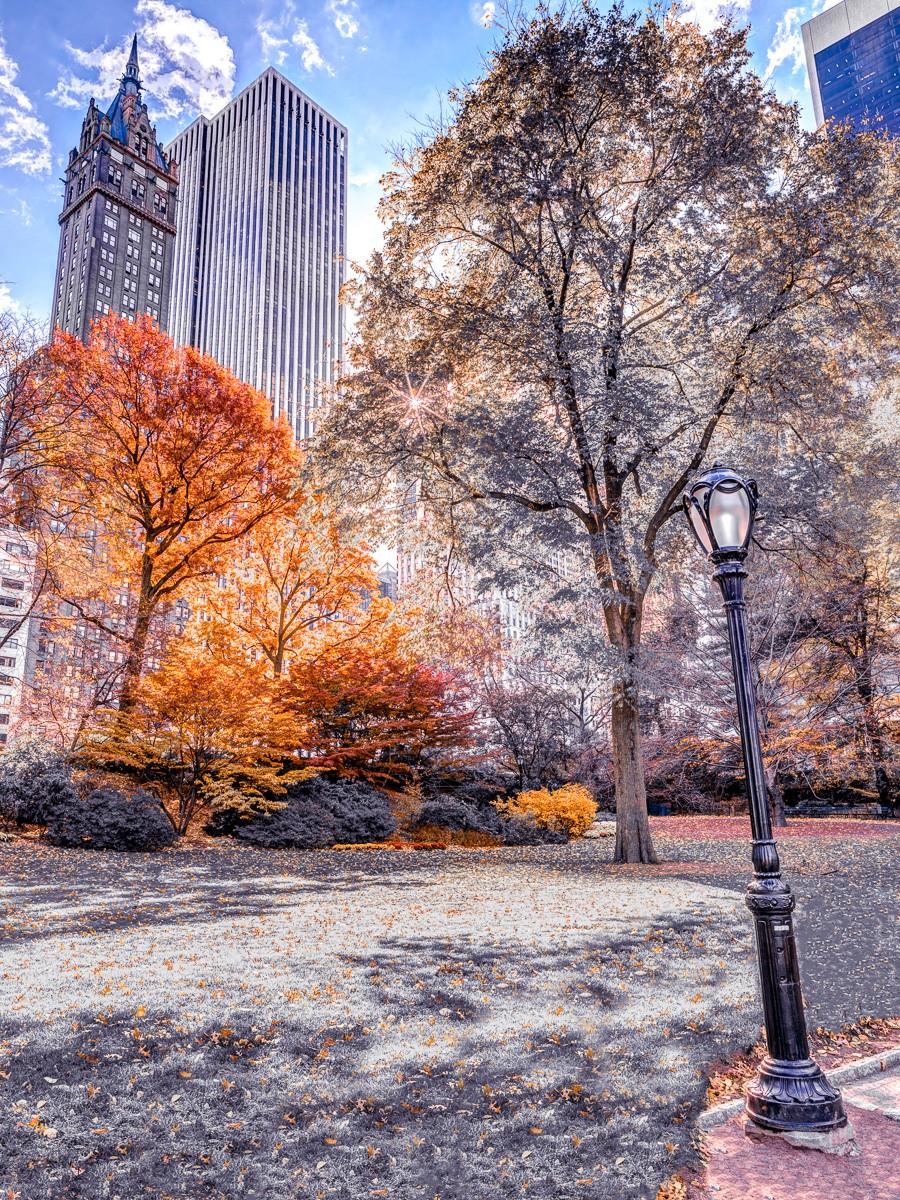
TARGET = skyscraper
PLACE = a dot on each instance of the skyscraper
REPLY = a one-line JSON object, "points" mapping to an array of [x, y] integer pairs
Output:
{"points": [[853, 56], [117, 226], [259, 257]]}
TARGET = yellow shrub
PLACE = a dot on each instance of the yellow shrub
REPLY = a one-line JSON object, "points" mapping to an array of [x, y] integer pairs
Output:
{"points": [[571, 808]]}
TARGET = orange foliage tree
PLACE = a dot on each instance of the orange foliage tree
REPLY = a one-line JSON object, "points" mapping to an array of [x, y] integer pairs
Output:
{"points": [[295, 581], [169, 461], [372, 708], [201, 731]]}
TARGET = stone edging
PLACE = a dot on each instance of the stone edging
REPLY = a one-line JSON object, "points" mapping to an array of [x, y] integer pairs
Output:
{"points": [[865, 1068]]}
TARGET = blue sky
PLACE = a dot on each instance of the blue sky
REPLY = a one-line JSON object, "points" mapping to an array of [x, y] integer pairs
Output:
{"points": [[377, 65]]}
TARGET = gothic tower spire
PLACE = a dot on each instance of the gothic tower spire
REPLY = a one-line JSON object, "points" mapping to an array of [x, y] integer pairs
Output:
{"points": [[131, 80]]}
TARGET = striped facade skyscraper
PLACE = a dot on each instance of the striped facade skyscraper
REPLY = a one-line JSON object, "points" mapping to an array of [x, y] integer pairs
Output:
{"points": [[259, 256]]}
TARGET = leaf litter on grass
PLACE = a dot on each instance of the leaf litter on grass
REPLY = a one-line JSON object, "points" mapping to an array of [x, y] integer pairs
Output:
{"points": [[245, 1023]]}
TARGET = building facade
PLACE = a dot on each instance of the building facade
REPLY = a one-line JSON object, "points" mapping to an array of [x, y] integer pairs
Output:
{"points": [[18, 626], [117, 226], [853, 56], [259, 256]]}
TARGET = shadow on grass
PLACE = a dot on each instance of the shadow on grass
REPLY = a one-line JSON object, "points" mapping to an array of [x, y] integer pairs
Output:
{"points": [[459, 1084]]}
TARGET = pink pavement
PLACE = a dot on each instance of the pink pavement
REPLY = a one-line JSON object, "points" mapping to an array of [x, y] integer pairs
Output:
{"points": [[742, 1167]]}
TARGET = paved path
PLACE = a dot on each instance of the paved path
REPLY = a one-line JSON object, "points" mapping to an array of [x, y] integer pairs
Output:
{"points": [[743, 1167]]}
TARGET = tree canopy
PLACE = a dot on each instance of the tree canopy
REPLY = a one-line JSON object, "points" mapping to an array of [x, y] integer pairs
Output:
{"points": [[618, 254]]}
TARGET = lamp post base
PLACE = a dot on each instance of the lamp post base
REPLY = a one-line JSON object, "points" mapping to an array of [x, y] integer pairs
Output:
{"points": [[795, 1096]]}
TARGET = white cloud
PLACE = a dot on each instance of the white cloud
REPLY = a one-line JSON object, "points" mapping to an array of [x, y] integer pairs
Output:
{"points": [[710, 13], [24, 139], [187, 65], [310, 54], [787, 44], [274, 47], [7, 303], [19, 211], [279, 34], [483, 12], [344, 14]]}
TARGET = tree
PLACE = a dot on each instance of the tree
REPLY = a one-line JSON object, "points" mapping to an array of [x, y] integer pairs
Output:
{"points": [[200, 731], [852, 676], [168, 461], [618, 250], [29, 431], [76, 673], [296, 579], [371, 708], [30, 436]]}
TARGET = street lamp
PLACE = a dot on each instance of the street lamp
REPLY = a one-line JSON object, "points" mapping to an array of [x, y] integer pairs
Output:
{"points": [[790, 1092]]}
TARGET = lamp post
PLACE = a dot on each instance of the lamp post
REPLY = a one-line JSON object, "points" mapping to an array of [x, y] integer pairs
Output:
{"points": [[790, 1093]]}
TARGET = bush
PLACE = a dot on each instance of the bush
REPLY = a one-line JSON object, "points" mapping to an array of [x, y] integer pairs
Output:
{"points": [[24, 767], [466, 825], [107, 819], [448, 812], [524, 830], [570, 810], [319, 813]]}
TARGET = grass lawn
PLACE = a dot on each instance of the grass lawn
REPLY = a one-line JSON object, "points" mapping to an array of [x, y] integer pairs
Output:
{"points": [[459, 1025]]}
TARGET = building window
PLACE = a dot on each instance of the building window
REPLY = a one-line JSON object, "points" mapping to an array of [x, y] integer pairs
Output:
{"points": [[110, 207], [10, 602], [16, 548], [7, 660], [110, 222], [134, 236], [114, 176], [15, 585]]}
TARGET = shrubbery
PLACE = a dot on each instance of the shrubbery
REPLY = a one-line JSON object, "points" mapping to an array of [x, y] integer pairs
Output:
{"points": [[318, 813], [448, 812], [30, 772], [524, 830], [493, 823], [107, 819], [569, 810]]}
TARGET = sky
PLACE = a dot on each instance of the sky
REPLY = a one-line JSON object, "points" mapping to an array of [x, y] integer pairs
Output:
{"points": [[381, 67]]}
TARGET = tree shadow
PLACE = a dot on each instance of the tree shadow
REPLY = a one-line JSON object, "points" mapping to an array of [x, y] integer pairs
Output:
{"points": [[453, 1074]]}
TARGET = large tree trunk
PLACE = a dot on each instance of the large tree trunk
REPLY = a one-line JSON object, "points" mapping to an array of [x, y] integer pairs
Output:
{"points": [[137, 648], [633, 841]]}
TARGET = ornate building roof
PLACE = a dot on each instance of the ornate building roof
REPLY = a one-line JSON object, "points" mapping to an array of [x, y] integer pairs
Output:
{"points": [[127, 109]]}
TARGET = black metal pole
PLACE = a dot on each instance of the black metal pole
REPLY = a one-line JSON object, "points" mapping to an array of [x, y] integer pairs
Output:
{"points": [[790, 1091]]}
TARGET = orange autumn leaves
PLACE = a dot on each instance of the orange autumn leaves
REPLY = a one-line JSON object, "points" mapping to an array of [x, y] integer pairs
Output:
{"points": [[168, 461], [252, 637]]}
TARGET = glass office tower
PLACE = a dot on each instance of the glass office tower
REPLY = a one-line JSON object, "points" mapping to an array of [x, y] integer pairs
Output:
{"points": [[259, 256], [853, 56]]}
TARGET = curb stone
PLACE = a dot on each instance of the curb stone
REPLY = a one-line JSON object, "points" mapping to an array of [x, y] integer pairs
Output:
{"points": [[866, 1068]]}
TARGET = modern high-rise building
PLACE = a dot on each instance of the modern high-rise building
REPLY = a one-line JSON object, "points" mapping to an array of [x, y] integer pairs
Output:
{"points": [[853, 56], [117, 226], [259, 256]]}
